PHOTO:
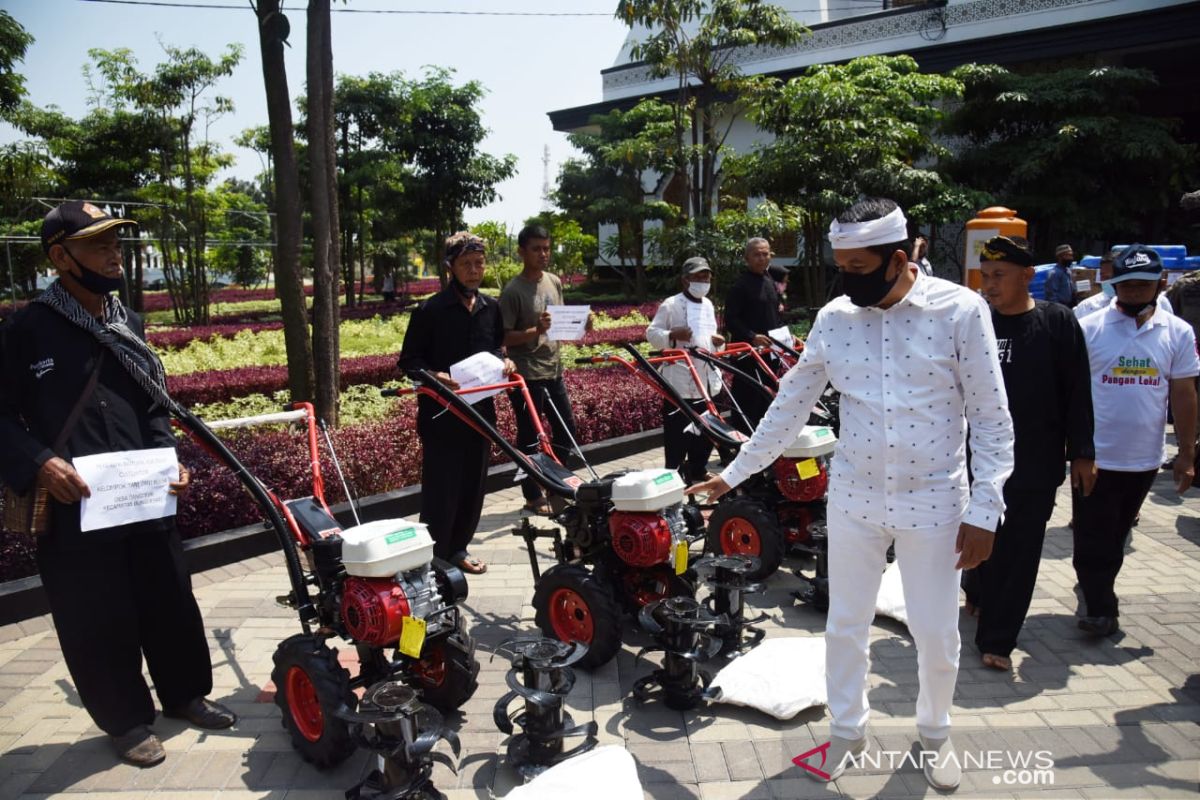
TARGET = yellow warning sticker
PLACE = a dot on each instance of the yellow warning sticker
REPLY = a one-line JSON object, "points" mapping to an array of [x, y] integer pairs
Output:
{"points": [[412, 636], [808, 468], [681, 557]]}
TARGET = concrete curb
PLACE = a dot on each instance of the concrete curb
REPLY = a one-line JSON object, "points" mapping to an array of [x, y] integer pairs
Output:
{"points": [[24, 598]]}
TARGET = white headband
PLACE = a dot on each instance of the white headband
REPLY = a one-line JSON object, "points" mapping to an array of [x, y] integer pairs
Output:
{"points": [[888, 229]]}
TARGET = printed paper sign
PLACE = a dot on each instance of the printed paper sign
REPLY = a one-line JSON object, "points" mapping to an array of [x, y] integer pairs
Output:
{"points": [[481, 369], [1083, 286], [567, 323], [703, 324], [128, 486], [781, 334]]}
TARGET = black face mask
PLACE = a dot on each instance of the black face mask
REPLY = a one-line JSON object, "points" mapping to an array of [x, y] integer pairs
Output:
{"points": [[1134, 309], [868, 289], [462, 288], [94, 282]]}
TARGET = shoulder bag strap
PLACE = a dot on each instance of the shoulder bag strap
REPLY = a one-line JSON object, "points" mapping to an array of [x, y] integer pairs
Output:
{"points": [[77, 410]]}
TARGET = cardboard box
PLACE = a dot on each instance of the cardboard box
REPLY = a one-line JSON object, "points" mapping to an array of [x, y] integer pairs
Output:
{"points": [[1086, 280]]}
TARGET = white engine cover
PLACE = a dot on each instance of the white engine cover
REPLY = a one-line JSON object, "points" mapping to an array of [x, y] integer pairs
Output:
{"points": [[385, 547], [812, 441], [647, 490]]}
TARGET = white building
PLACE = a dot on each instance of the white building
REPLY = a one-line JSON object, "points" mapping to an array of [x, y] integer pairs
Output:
{"points": [[1161, 35]]}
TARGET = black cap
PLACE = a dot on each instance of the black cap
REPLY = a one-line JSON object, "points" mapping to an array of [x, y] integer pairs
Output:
{"points": [[1136, 263], [777, 271], [77, 219], [1002, 248]]}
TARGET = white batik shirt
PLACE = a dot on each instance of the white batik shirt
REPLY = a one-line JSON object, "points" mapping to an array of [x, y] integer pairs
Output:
{"points": [[912, 378]]}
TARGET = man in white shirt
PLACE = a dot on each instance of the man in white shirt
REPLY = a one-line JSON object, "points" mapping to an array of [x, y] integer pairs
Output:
{"points": [[671, 327], [915, 360], [1140, 357]]}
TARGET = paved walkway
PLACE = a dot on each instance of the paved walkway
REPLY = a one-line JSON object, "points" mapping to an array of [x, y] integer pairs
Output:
{"points": [[1120, 718]]}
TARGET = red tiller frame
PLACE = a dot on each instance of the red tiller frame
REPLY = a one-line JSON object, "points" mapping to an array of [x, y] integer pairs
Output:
{"points": [[667, 357], [297, 412], [515, 381], [738, 349]]}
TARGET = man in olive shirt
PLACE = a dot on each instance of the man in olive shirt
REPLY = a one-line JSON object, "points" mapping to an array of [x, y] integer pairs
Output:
{"points": [[523, 304]]}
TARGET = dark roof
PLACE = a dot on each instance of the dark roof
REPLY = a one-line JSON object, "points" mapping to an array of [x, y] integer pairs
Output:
{"points": [[1175, 26]]}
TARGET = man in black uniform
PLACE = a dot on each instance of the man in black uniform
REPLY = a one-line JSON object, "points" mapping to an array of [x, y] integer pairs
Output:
{"points": [[1048, 380], [78, 380], [751, 310], [455, 323]]}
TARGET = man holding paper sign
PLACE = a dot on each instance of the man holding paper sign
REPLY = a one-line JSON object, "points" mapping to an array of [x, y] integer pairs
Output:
{"points": [[445, 330], [79, 386], [751, 310], [687, 320], [530, 336]]}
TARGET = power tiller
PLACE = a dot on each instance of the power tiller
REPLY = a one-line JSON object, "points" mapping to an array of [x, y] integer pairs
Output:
{"points": [[623, 541], [782, 508], [375, 585]]}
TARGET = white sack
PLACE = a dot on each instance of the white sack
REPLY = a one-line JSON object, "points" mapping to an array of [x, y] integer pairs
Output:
{"points": [[782, 677], [606, 773]]}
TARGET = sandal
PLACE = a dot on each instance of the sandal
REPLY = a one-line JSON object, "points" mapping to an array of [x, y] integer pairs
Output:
{"points": [[994, 661], [472, 565], [540, 506]]}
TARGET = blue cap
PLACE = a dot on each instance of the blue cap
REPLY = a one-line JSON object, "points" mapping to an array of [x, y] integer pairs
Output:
{"points": [[1136, 263]]}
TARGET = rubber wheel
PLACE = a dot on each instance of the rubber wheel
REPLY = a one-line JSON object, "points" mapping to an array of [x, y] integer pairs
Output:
{"points": [[573, 605], [743, 526], [310, 687], [448, 673]]}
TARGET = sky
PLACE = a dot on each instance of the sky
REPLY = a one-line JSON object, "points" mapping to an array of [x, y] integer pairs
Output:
{"points": [[529, 65]]}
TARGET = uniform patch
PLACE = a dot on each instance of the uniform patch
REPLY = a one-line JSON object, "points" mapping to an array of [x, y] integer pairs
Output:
{"points": [[40, 368]]}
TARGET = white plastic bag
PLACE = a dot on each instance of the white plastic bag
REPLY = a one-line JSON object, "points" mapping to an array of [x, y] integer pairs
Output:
{"points": [[606, 773], [781, 677], [890, 601]]}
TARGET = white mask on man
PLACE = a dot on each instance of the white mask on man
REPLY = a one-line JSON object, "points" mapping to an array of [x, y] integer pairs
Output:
{"points": [[697, 289]]}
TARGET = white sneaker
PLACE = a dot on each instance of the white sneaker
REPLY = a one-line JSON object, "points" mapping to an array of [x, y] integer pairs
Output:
{"points": [[942, 770], [835, 758]]}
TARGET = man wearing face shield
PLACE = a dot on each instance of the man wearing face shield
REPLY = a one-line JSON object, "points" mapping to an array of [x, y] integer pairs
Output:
{"points": [[79, 380], [914, 358], [1140, 358], [686, 452]]}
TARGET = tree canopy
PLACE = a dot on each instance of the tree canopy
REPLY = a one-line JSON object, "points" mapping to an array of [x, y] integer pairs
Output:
{"points": [[1069, 150]]}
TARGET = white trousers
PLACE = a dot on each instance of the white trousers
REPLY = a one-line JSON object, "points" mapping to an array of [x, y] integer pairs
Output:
{"points": [[857, 557]]}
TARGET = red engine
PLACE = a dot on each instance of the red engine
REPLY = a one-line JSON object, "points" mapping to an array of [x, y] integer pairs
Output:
{"points": [[795, 521], [640, 539], [795, 488], [373, 610]]}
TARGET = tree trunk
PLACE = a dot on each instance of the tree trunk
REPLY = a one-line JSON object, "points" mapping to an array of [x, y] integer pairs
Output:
{"points": [[694, 198], [362, 250], [708, 163], [322, 149], [289, 284]]}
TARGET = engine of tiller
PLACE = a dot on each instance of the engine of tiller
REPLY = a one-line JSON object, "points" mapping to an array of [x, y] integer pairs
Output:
{"points": [[647, 524], [389, 577]]}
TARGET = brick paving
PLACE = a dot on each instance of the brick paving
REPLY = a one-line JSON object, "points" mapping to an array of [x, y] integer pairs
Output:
{"points": [[1120, 717]]}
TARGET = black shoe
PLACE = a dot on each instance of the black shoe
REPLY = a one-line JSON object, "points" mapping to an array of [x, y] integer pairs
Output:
{"points": [[140, 747], [203, 713], [1099, 626]]}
